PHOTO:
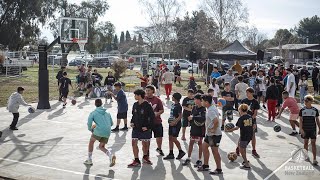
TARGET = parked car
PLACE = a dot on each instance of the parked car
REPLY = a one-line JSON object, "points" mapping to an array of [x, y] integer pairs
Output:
{"points": [[184, 64], [310, 63], [76, 62], [54, 60], [99, 62], [195, 69], [112, 59], [170, 63]]}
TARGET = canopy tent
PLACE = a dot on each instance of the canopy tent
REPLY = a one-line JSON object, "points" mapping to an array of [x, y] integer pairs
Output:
{"points": [[234, 51]]}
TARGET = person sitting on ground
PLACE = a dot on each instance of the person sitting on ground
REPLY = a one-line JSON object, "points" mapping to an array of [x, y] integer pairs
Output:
{"points": [[97, 77]]}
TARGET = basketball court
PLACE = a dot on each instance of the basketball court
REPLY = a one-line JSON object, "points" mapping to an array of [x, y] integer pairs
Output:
{"points": [[52, 144]]}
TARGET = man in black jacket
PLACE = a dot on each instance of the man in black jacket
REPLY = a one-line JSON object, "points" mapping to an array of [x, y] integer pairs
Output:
{"points": [[141, 122], [58, 77]]}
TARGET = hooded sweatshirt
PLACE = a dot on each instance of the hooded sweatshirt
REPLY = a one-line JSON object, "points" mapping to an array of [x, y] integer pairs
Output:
{"points": [[103, 122], [142, 115], [14, 101]]}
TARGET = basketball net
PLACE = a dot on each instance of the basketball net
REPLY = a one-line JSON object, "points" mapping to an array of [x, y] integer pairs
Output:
{"points": [[81, 43]]}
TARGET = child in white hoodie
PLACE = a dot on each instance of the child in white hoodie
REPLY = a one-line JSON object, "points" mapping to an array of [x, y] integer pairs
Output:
{"points": [[15, 100]]}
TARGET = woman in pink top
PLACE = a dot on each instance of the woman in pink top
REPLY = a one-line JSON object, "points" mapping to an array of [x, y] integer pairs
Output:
{"points": [[291, 103]]}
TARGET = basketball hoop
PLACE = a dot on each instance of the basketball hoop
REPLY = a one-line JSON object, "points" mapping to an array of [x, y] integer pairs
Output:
{"points": [[81, 43]]}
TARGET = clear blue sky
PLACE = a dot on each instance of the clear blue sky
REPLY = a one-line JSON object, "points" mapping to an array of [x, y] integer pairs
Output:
{"points": [[266, 15]]}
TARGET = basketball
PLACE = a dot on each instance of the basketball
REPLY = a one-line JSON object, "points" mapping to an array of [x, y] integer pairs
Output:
{"points": [[277, 128], [229, 126], [222, 102], [93, 126], [31, 110], [73, 101], [232, 156]]}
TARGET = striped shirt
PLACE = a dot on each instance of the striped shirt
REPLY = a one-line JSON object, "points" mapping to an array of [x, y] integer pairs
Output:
{"points": [[309, 118]]}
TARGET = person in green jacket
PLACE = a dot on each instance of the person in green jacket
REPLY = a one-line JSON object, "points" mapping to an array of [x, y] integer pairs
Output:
{"points": [[101, 130]]}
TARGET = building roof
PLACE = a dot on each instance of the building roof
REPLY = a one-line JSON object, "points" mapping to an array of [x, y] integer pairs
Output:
{"points": [[295, 46]]}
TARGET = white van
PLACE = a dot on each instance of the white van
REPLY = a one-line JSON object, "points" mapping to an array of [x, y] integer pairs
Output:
{"points": [[169, 62]]}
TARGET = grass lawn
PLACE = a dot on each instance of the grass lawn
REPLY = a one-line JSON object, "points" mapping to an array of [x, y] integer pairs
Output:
{"points": [[29, 81]]}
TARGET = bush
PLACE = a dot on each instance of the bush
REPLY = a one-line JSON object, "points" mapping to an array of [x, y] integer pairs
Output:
{"points": [[119, 67]]}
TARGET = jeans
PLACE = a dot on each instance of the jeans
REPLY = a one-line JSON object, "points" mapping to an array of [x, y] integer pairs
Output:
{"points": [[272, 103], [15, 120], [303, 93]]}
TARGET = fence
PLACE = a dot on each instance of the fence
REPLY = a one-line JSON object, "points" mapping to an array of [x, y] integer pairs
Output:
{"points": [[15, 68]]}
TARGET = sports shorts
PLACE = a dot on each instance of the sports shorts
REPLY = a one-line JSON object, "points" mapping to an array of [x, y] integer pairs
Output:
{"points": [[213, 141], [310, 134], [293, 116], [175, 130], [100, 139], [122, 115], [141, 135], [243, 144], [185, 122], [157, 130]]}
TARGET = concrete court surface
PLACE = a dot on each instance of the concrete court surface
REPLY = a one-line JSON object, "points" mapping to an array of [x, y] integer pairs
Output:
{"points": [[52, 144]]}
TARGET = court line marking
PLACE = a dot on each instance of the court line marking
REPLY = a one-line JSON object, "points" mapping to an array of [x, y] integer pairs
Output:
{"points": [[276, 170], [53, 168]]}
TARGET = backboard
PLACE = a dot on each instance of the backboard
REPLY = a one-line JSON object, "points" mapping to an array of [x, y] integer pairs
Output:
{"points": [[73, 28]]}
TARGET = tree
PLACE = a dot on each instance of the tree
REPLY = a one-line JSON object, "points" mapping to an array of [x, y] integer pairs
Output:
{"points": [[134, 40], [140, 40], [197, 33], [254, 40], [119, 67], [105, 30], [128, 36], [122, 37], [309, 28], [115, 44], [161, 14], [229, 15], [20, 21]]}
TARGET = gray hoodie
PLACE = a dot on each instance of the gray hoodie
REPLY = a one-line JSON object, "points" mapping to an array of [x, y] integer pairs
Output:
{"points": [[14, 101]]}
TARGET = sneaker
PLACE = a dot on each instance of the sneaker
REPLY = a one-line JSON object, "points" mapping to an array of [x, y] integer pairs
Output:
{"points": [[169, 156], [124, 129], [146, 160], [112, 159], [293, 133], [215, 172], [245, 167], [64, 105], [115, 129], [186, 162], [255, 154], [264, 106], [203, 168], [315, 162], [160, 152], [13, 129], [198, 164], [181, 154], [238, 151], [134, 164], [88, 162], [244, 163]]}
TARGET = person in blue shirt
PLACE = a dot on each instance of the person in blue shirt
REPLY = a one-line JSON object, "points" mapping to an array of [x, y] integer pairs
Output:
{"points": [[121, 98], [215, 73], [101, 130]]}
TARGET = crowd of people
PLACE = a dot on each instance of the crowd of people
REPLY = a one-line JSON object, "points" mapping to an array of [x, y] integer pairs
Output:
{"points": [[243, 90]]}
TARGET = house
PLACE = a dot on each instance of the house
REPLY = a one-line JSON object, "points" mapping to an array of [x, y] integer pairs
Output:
{"points": [[296, 53]]}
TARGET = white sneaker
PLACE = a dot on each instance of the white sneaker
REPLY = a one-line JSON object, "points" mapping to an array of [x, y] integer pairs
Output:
{"points": [[315, 162], [88, 162]]}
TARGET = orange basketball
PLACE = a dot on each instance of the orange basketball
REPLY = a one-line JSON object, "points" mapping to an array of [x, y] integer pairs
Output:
{"points": [[232, 156], [73, 101], [93, 126]]}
